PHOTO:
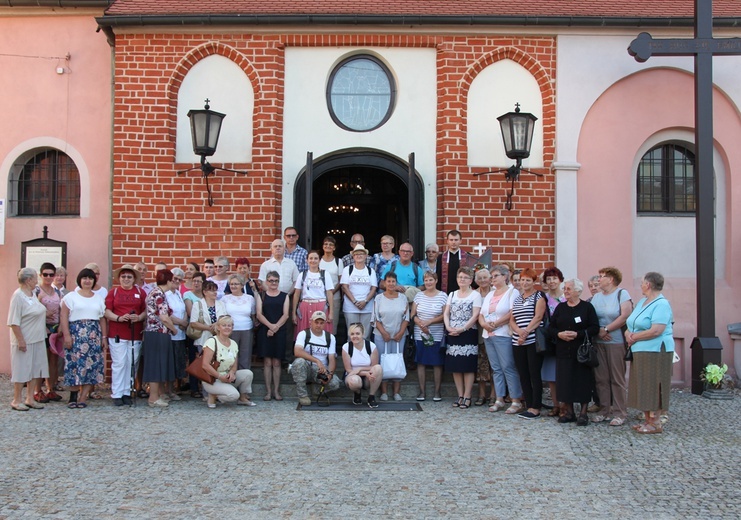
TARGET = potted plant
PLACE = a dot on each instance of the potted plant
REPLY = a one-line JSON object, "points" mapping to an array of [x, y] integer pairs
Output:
{"points": [[718, 384]]}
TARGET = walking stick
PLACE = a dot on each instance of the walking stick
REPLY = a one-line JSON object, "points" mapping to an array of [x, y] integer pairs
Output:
{"points": [[132, 390]]}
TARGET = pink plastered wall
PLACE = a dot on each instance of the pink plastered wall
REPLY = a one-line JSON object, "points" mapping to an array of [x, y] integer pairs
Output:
{"points": [[70, 111], [616, 127]]}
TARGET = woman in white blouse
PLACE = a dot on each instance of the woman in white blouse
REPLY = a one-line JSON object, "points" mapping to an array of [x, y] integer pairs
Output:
{"points": [[241, 307], [496, 311]]}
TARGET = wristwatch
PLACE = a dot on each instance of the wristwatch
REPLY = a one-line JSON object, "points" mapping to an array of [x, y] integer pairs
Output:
{"points": [[606, 329]]}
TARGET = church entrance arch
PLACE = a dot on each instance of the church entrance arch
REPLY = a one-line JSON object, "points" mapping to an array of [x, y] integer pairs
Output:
{"points": [[359, 191]]}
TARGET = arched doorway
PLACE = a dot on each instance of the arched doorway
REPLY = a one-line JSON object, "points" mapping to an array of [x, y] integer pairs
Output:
{"points": [[360, 191]]}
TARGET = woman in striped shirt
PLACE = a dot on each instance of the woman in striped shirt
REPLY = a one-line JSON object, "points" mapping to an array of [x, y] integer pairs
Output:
{"points": [[527, 314]]}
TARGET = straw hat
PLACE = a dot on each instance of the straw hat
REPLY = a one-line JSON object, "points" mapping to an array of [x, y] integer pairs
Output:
{"points": [[359, 249], [128, 267]]}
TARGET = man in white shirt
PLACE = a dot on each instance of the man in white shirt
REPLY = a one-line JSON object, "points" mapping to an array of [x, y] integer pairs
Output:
{"points": [[316, 359], [285, 267]]}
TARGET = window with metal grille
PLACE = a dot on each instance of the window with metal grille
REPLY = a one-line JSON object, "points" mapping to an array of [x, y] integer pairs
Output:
{"points": [[47, 184], [666, 180]]}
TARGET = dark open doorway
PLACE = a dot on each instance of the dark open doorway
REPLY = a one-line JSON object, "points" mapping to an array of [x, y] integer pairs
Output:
{"points": [[360, 192]]}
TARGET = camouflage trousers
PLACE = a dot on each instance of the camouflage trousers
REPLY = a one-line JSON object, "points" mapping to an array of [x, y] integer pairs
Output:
{"points": [[303, 371]]}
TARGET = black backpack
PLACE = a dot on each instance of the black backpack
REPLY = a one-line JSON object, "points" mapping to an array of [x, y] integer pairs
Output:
{"points": [[307, 340]]}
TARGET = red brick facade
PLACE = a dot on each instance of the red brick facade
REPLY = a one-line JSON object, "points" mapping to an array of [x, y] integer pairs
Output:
{"points": [[158, 215]]}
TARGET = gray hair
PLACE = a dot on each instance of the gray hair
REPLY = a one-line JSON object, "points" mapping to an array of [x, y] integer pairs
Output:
{"points": [[237, 277], [655, 280], [578, 284], [481, 271], [432, 245], [503, 270], [178, 272], [26, 274], [61, 270], [594, 278], [222, 259]]}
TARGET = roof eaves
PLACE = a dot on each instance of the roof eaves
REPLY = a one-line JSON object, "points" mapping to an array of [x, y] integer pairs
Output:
{"points": [[407, 20]]}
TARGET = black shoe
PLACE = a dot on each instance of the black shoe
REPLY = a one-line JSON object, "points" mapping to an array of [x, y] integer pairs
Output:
{"points": [[527, 415], [142, 394], [583, 420], [356, 398], [117, 401], [126, 400], [372, 401], [566, 419]]}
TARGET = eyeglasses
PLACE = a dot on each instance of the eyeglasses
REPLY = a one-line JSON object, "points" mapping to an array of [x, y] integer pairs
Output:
{"points": [[222, 266], [48, 275], [197, 280], [357, 242], [127, 276], [292, 235], [405, 251], [272, 281]]}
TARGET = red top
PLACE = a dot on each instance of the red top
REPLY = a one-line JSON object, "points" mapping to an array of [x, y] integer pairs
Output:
{"points": [[121, 301]]}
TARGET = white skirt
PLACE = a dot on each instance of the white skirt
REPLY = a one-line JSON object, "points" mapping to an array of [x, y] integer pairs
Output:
{"points": [[28, 365]]}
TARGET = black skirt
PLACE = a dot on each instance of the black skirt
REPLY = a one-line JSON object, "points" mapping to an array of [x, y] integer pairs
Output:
{"points": [[159, 357]]}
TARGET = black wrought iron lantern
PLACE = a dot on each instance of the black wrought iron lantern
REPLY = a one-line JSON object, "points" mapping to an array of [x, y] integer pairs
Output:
{"points": [[205, 127], [517, 133]]}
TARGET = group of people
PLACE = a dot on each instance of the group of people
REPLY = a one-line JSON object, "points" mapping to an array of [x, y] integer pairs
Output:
{"points": [[494, 324]]}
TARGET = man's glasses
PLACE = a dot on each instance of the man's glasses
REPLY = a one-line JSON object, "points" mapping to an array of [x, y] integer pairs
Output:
{"points": [[272, 281], [292, 235], [48, 275]]}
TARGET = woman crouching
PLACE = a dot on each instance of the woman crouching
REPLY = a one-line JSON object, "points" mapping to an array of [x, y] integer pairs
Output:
{"points": [[230, 384]]}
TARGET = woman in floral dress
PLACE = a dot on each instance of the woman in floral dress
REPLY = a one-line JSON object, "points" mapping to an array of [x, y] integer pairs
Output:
{"points": [[460, 315], [85, 336]]}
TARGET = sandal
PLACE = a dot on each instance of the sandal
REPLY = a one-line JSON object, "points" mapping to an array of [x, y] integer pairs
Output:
{"points": [[458, 403], [497, 406], [649, 428], [514, 408], [479, 402], [617, 421], [72, 405], [196, 395], [465, 404], [95, 395], [554, 412]]}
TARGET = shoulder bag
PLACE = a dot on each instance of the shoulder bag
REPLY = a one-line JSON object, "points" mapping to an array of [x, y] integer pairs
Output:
{"points": [[544, 345], [196, 367], [191, 332], [587, 354]]}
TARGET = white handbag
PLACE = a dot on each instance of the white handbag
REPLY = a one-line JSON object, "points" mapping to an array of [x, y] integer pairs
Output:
{"points": [[393, 362]]}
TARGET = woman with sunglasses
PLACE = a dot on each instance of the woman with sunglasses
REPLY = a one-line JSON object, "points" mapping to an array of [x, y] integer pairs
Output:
{"points": [[273, 312], [191, 298], [179, 317], [51, 298], [221, 275]]}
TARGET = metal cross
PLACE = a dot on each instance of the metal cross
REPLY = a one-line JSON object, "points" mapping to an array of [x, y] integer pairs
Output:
{"points": [[702, 47]]}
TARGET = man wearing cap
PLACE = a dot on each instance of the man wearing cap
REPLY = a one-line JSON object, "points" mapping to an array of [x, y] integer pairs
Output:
{"points": [[126, 311], [359, 285], [316, 359]]}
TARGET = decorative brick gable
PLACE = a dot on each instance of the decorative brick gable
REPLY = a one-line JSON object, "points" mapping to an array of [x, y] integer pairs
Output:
{"points": [[158, 215]]}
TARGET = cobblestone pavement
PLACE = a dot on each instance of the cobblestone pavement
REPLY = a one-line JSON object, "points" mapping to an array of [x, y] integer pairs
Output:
{"points": [[273, 461]]}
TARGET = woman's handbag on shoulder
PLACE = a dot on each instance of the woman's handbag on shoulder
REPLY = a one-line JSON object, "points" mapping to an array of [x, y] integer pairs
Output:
{"points": [[194, 333], [196, 367], [544, 345], [587, 354], [393, 363]]}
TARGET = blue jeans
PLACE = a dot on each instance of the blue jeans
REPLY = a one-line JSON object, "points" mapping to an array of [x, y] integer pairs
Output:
{"points": [[502, 361]]}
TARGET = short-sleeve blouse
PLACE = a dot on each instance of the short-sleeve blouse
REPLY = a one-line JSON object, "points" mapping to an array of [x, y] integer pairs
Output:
{"points": [[82, 308], [156, 305], [29, 314], [429, 307]]}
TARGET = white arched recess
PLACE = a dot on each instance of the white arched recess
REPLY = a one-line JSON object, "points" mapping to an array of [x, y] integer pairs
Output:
{"points": [[667, 244], [230, 92], [27, 149], [494, 91]]}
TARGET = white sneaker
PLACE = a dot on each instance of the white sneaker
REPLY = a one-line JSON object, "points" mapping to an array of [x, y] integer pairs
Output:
{"points": [[397, 397], [384, 397]]}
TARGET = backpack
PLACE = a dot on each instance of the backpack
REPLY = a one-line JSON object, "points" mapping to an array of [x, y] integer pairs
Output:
{"points": [[415, 268], [303, 281], [352, 266], [367, 348], [307, 340]]}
